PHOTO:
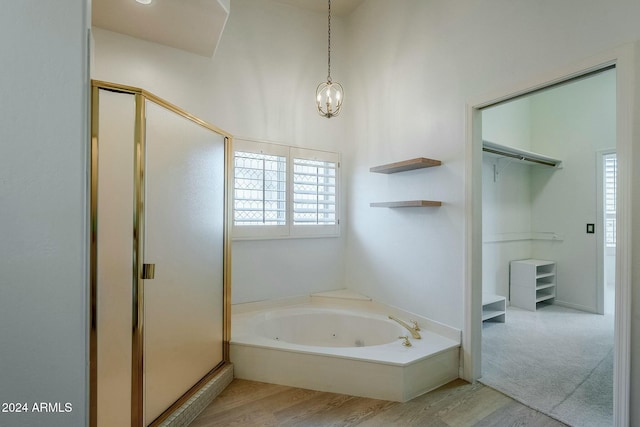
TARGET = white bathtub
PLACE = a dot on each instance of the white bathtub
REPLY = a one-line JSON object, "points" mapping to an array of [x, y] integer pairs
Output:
{"points": [[326, 327], [342, 345]]}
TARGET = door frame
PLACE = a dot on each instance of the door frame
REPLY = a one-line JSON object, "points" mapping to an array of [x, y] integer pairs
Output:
{"points": [[623, 58]]}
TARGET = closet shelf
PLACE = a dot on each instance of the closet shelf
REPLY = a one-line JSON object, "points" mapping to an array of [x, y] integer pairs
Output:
{"points": [[405, 204], [494, 308], [545, 286], [406, 165], [516, 154], [492, 314], [545, 297]]}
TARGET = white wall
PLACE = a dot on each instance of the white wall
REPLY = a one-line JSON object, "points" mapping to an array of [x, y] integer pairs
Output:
{"points": [[506, 196], [572, 123], [415, 66], [633, 260], [508, 124], [260, 84], [43, 209]]}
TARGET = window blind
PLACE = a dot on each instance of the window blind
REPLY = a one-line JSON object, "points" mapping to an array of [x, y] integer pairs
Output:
{"points": [[610, 174], [314, 192]]}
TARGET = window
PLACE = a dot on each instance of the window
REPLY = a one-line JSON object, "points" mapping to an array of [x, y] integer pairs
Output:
{"points": [[610, 173], [259, 189], [281, 191]]}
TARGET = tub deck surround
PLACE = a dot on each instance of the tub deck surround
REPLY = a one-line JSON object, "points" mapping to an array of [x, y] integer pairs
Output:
{"points": [[309, 344], [341, 294], [350, 299]]}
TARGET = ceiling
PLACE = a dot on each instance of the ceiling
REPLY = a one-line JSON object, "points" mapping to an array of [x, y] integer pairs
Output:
{"points": [[338, 7], [192, 25]]}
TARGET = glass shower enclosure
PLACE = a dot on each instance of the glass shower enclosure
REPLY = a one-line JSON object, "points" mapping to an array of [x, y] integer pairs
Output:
{"points": [[159, 256]]}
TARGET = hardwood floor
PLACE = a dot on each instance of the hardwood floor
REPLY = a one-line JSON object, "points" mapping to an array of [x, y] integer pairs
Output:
{"points": [[249, 403]]}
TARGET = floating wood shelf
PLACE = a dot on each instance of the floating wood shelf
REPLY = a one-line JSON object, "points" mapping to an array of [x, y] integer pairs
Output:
{"points": [[405, 204], [406, 165]]}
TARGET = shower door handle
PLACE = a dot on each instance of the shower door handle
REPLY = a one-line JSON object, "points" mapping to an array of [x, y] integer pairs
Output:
{"points": [[148, 271]]}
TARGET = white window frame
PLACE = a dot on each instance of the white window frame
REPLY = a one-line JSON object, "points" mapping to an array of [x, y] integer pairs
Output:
{"points": [[289, 230], [259, 231]]}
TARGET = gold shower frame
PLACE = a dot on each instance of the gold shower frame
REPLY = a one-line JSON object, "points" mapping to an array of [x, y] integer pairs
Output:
{"points": [[137, 349]]}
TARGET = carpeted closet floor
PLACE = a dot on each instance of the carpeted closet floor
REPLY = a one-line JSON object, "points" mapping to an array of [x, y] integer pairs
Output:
{"points": [[556, 360]]}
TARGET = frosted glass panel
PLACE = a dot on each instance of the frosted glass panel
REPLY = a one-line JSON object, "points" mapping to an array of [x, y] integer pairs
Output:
{"points": [[184, 216], [115, 257]]}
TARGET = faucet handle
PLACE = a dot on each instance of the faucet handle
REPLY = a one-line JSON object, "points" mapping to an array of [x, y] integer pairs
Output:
{"points": [[406, 341], [416, 327]]}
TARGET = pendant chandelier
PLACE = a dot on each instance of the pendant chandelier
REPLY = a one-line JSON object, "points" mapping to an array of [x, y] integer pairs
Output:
{"points": [[329, 94]]}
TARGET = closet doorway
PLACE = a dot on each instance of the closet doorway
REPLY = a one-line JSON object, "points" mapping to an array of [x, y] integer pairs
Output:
{"points": [[545, 207]]}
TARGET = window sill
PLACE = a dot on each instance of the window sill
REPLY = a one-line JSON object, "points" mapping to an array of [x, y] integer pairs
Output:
{"points": [[318, 236]]}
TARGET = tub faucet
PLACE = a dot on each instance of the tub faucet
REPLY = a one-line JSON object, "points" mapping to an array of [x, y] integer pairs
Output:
{"points": [[413, 329]]}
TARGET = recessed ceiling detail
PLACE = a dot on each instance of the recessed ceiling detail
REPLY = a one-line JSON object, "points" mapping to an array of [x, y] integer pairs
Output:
{"points": [[191, 25]]}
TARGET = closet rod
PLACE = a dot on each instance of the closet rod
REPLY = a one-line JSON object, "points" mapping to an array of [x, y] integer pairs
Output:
{"points": [[519, 157]]}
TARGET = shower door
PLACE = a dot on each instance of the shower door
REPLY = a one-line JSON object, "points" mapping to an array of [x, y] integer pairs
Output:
{"points": [[158, 199], [184, 238]]}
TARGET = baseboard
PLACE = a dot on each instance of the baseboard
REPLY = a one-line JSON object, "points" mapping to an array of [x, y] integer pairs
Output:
{"points": [[190, 410], [575, 306]]}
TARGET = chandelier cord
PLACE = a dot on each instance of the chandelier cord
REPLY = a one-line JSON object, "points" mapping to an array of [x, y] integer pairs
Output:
{"points": [[329, 46], [329, 95]]}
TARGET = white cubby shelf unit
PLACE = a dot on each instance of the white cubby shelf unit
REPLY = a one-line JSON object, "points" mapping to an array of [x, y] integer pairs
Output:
{"points": [[532, 281], [494, 308]]}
